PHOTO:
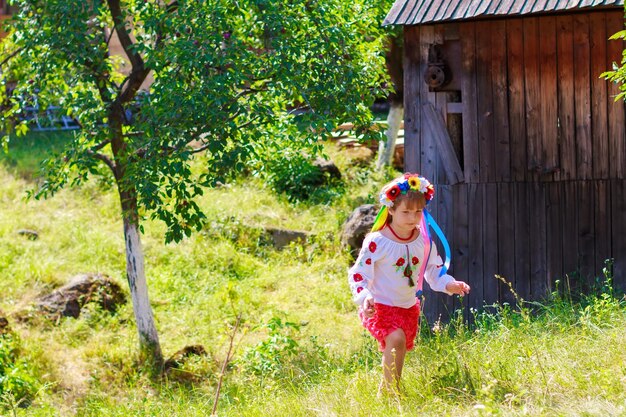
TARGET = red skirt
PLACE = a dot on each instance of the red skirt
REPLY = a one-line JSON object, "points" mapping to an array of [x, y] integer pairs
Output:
{"points": [[386, 319]]}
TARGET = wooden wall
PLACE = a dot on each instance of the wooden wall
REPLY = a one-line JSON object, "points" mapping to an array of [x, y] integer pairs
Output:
{"points": [[543, 151]]}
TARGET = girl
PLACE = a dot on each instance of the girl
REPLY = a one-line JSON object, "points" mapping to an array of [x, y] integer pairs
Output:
{"points": [[383, 278]]}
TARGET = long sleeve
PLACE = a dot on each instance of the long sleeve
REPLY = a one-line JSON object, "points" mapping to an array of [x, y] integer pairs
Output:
{"points": [[362, 272], [431, 275]]}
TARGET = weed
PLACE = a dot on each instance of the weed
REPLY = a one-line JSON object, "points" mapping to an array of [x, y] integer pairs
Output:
{"points": [[17, 386]]}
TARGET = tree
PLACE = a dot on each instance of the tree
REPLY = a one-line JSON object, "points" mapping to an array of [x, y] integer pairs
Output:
{"points": [[235, 81], [393, 41], [394, 60], [618, 73]]}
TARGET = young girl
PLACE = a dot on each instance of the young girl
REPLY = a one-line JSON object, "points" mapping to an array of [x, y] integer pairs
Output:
{"points": [[387, 274]]}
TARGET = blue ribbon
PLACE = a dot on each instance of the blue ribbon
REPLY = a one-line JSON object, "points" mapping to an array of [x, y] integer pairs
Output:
{"points": [[446, 246]]}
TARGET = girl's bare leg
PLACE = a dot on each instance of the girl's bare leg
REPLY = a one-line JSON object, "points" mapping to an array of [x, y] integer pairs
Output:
{"points": [[393, 361]]}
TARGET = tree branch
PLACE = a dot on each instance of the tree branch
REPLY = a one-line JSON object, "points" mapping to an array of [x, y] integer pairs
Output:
{"points": [[104, 159], [5, 60], [138, 72], [99, 146], [207, 145], [119, 22]]}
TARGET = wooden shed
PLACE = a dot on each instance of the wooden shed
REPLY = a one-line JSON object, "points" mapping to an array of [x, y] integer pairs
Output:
{"points": [[505, 111]]}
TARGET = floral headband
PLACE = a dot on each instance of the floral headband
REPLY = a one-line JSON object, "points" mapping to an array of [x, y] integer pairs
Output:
{"points": [[408, 182], [402, 185]]}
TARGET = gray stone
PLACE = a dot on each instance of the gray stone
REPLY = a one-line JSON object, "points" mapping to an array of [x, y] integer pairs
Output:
{"points": [[357, 226], [283, 237], [82, 289], [29, 234], [328, 167], [178, 359], [4, 324]]}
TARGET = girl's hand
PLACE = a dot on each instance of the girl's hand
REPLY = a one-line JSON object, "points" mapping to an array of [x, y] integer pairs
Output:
{"points": [[368, 307], [458, 287]]}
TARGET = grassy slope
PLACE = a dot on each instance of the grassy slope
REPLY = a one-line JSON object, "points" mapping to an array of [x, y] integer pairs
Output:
{"points": [[565, 362]]}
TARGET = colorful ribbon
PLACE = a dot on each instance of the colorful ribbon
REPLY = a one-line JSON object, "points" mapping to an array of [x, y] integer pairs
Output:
{"points": [[381, 219], [446, 246]]}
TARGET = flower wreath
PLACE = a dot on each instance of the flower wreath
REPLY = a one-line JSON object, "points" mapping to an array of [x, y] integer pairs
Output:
{"points": [[408, 182], [402, 185]]}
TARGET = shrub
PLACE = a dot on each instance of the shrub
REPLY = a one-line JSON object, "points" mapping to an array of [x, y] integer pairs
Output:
{"points": [[17, 386]]}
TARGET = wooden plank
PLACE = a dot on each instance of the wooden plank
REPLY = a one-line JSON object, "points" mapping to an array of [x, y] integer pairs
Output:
{"points": [[548, 141], [451, 32], [554, 232], [537, 240], [475, 239], [436, 129], [433, 8], [490, 243], [484, 94], [602, 225], [582, 99], [522, 257], [586, 232], [617, 122], [428, 149], [445, 218], [618, 231], [460, 235], [500, 101], [416, 15], [517, 103], [506, 241], [454, 108], [412, 99], [468, 94], [532, 88], [599, 98], [565, 82], [403, 15], [570, 232]]}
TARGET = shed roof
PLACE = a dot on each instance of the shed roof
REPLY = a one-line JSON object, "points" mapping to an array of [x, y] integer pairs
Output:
{"points": [[417, 12]]}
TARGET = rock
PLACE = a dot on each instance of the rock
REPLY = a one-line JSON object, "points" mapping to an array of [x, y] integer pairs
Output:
{"points": [[357, 226], [283, 237], [4, 324], [29, 234], [178, 359], [328, 167], [82, 289]]}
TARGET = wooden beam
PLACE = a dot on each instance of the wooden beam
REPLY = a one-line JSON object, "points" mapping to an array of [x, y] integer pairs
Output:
{"points": [[433, 122], [412, 99], [455, 108]]}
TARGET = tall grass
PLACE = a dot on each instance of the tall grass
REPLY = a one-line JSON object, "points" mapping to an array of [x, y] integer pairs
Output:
{"points": [[300, 350]]}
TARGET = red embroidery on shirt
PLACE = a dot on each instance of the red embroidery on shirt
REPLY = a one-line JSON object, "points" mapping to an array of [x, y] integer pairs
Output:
{"points": [[400, 262], [358, 290], [372, 247], [415, 260], [368, 261], [357, 277]]}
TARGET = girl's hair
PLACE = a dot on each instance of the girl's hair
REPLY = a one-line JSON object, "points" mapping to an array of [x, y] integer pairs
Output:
{"points": [[412, 199], [412, 189]]}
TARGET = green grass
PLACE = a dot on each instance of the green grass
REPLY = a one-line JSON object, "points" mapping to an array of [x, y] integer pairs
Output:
{"points": [[566, 359], [26, 152]]}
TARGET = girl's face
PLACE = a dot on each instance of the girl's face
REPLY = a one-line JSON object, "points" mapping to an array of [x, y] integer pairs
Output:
{"points": [[406, 216]]}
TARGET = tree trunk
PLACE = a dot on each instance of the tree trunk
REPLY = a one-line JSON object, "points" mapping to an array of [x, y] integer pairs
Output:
{"points": [[150, 349], [394, 58], [386, 148]]}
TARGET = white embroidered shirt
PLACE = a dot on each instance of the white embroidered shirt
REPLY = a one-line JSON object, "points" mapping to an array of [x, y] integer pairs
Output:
{"points": [[381, 269]]}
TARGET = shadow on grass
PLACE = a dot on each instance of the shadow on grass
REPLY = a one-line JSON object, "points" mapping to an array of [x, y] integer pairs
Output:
{"points": [[26, 153]]}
